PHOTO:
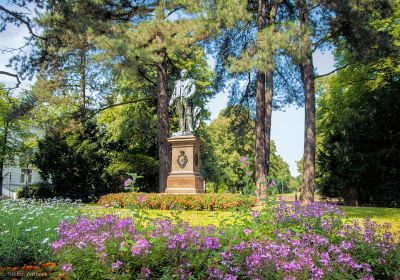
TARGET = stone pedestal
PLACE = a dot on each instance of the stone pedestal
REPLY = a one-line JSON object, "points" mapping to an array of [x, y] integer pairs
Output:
{"points": [[185, 174]]}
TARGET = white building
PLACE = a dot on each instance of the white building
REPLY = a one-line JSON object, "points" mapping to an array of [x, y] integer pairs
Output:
{"points": [[15, 178]]}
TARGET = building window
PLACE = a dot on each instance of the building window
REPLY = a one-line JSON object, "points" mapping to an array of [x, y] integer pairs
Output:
{"points": [[26, 176]]}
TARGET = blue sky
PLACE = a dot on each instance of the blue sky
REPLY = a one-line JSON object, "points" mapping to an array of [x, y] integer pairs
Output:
{"points": [[287, 124]]}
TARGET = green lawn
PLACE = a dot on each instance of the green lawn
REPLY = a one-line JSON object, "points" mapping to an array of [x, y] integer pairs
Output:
{"points": [[201, 218], [377, 214]]}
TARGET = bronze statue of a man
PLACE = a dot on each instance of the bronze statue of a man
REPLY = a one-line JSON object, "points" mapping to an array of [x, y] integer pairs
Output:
{"points": [[182, 95]]}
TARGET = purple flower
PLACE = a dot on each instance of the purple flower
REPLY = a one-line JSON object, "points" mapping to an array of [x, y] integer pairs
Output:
{"points": [[255, 214], [67, 267], [272, 183], [116, 265], [249, 173], [141, 246], [215, 273], [127, 182], [145, 272], [230, 277], [57, 245], [211, 242], [243, 159], [346, 245]]}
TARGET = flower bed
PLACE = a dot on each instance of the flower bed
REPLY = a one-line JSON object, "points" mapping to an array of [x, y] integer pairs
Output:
{"points": [[33, 271], [211, 202], [289, 242]]}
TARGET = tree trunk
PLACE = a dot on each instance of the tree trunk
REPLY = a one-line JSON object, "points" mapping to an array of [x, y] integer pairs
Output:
{"points": [[260, 117], [163, 126], [269, 80], [3, 153], [308, 184], [260, 136], [82, 93], [269, 86]]}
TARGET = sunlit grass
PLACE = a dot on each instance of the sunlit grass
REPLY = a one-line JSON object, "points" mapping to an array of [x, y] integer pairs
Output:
{"points": [[219, 218], [377, 214]]}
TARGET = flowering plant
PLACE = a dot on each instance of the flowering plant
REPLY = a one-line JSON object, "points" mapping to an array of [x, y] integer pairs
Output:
{"points": [[282, 242], [209, 201]]}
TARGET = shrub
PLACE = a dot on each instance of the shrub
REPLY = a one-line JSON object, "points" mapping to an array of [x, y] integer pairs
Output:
{"points": [[271, 245], [210, 202], [42, 190]]}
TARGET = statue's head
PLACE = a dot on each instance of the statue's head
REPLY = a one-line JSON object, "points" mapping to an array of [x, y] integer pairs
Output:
{"points": [[184, 73]]}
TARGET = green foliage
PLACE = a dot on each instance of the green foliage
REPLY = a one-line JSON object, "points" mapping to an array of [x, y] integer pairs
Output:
{"points": [[358, 128], [358, 132], [229, 138], [17, 140], [74, 164]]}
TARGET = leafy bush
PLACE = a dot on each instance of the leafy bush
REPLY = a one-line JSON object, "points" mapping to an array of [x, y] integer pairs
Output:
{"points": [[210, 202], [74, 164], [42, 190], [290, 242]]}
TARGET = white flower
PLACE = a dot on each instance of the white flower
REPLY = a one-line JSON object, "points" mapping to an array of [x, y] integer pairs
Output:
{"points": [[47, 229], [45, 240], [20, 222], [28, 229]]}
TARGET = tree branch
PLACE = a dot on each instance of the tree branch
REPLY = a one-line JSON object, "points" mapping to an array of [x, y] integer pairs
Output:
{"points": [[142, 74], [331, 72], [19, 17], [119, 104], [12, 75]]}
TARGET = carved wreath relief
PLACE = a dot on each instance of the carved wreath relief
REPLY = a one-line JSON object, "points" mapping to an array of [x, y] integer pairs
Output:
{"points": [[182, 159]]}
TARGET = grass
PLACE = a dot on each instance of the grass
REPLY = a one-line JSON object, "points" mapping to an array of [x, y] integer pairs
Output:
{"points": [[194, 218], [203, 218], [377, 214], [27, 229]]}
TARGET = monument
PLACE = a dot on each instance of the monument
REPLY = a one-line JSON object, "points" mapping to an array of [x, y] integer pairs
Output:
{"points": [[185, 174]]}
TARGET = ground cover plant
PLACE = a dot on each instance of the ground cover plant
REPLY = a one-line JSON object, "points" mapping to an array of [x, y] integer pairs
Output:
{"points": [[27, 228], [288, 242], [209, 201]]}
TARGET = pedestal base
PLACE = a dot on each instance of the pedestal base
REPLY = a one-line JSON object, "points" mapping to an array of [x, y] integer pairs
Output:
{"points": [[185, 174], [185, 184]]}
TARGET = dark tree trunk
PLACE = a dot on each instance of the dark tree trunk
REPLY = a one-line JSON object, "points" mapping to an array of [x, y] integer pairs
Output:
{"points": [[260, 117], [269, 90], [3, 153], [307, 68], [163, 126], [82, 93], [269, 80]]}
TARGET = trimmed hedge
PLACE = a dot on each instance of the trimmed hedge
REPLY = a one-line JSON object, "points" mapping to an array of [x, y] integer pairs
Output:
{"points": [[209, 201]]}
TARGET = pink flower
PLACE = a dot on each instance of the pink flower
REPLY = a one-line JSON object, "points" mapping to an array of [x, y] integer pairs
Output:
{"points": [[255, 214], [67, 267], [243, 159], [116, 265], [247, 231], [141, 198], [127, 182]]}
